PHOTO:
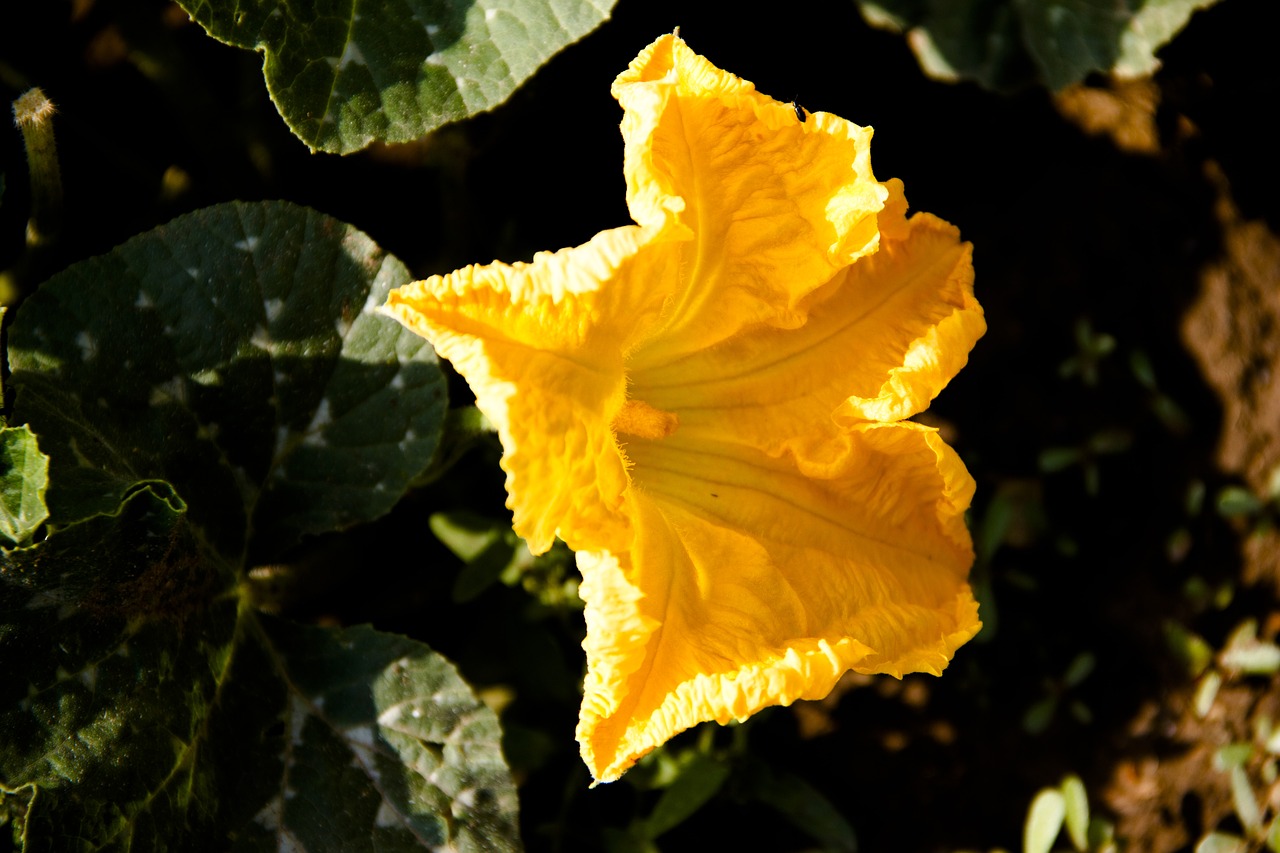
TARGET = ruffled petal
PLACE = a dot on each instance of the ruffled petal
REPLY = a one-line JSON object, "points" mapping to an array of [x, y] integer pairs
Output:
{"points": [[774, 206], [878, 343], [541, 345], [751, 583]]}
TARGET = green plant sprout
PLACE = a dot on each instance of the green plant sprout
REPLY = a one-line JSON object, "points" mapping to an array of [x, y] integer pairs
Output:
{"points": [[1039, 716]]}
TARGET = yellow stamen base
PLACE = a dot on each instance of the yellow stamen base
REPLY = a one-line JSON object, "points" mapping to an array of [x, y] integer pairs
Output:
{"points": [[640, 419]]}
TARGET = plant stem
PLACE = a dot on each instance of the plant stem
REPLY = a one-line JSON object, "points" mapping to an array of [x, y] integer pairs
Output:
{"points": [[33, 114]]}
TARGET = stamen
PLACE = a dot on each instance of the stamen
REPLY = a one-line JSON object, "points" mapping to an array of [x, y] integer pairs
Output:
{"points": [[640, 419]]}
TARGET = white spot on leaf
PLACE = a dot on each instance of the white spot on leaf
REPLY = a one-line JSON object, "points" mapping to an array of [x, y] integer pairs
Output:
{"points": [[387, 816], [351, 55], [297, 719], [282, 439], [248, 244], [271, 815], [173, 391], [360, 735], [88, 346], [262, 339], [314, 431], [143, 301], [273, 308]]}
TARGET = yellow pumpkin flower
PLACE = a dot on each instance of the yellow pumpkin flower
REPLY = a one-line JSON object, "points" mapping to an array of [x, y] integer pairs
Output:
{"points": [[709, 407]]}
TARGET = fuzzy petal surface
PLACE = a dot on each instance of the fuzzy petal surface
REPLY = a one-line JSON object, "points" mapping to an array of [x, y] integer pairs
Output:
{"points": [[541, 345], [752, 583], [774, 206]]}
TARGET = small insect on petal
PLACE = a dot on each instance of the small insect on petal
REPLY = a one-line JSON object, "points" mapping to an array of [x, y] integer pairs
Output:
{"points": [[801, 113]]}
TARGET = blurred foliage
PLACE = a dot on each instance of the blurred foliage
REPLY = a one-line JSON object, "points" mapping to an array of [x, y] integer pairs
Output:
{"points": [[1006, 44]]}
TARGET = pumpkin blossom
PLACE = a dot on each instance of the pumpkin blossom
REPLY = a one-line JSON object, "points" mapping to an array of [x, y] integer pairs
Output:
{"points": [[709, 407]]}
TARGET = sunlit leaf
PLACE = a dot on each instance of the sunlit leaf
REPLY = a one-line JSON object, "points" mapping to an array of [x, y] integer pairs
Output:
{"points": [[1221, 842], [1044, 821], [343, 76], [210, 392], [1244, 652], [378, 745], [1233, 755], [24, 476], [1189, 648], [236, 353], [1245, 801], [1207, 693], [1076, 804]]}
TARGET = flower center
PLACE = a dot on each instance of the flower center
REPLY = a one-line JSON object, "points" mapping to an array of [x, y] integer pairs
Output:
{"points": [[640, 419]]}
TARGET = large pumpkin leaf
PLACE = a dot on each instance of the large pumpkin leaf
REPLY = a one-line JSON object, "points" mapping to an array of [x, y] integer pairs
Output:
{"points": [[208, 393], [142, 709], [237, 354], [344, 73], [1005, 44], [115, 633], [372, 742]]}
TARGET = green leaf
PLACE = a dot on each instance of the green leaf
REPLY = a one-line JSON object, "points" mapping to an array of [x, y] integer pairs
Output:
{"points": [[466, 534], [486, 547], [24, 476], [1245, 801], [1189, 648], [1079, 669], [1006, 44], [698, 782], [377, 744], [1221, 842], [1040, 715], [238, 354], [1233, 755], [1076, 804], [1054, 459], [1244, 652], [147, 717], [208, 393], [1234, 501], [344, 76], [1207, 693], [802, 804], [114, 634], [1044, 821]]}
